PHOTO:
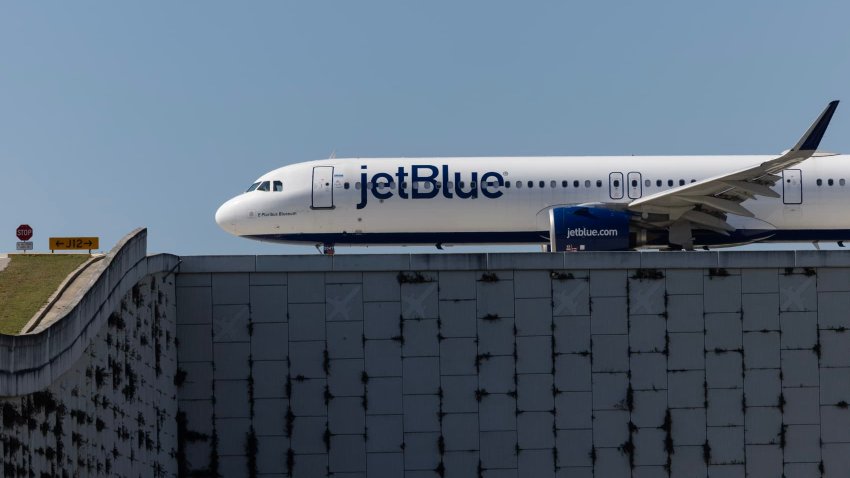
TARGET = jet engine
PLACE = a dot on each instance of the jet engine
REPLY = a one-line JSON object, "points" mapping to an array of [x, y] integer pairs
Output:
{"points": [[580, 228]]}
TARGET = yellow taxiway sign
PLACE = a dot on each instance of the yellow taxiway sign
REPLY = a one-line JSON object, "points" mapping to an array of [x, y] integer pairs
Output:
{"points": [[74, 243]]}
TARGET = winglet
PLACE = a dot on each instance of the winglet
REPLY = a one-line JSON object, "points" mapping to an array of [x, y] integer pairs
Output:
{"points": [[811, 140]]}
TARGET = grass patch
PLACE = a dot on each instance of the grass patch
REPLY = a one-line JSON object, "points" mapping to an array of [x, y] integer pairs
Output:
{"points": [[27, 282]]}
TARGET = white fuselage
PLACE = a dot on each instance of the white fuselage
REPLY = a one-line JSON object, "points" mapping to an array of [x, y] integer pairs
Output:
{"points": [[325, 201]]}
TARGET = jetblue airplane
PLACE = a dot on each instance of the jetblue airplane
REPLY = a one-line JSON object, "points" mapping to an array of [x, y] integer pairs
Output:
{"points": [[562, 203]]}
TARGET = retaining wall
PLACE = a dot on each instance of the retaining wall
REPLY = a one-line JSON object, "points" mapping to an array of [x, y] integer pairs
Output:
{"points": [[592, 364], [94, 394]]}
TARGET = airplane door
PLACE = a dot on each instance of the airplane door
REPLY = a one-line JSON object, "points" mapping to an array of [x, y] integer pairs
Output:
{"points": [[323, 195], [635, 186], [792, 186], [615, 185]]}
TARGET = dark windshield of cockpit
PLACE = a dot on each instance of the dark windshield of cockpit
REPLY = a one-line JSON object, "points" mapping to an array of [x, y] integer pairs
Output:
{"points": [[276, 186]]}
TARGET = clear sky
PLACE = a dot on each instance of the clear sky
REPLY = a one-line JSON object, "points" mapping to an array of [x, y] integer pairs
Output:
{"points": [[115, 115]]}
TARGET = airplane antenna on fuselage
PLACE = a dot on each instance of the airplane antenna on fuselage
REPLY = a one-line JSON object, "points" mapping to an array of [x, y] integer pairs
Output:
{"points": [[333, 154]]}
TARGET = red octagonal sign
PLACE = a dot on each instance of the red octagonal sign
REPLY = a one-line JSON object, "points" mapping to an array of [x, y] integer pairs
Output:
{"points": [[24, 232]]}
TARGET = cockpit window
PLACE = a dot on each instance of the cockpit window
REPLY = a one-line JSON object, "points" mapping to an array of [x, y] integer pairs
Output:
{"points": [[264, 186], [278, 186], [253, 187]]}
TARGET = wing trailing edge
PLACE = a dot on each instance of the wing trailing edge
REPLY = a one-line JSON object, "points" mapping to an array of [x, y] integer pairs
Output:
{"points": [[705, 204]]}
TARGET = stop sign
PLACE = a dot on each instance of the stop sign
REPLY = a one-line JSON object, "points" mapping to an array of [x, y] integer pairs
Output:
{"points": [[24, 232]]}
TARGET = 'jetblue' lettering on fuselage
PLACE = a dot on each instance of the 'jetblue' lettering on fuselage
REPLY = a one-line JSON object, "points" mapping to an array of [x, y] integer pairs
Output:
{"points": [[428, 182]]}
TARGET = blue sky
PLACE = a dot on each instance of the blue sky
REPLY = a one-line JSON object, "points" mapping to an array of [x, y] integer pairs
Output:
{"points": [[115, 115]]}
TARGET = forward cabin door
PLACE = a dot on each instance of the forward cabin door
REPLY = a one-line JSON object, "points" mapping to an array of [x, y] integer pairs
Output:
{"points": [[323, 193], [792, 186]]}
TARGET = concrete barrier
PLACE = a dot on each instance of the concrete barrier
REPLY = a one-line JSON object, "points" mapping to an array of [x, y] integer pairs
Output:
{"points": [[93, 393], [590, 364], [682, 364], [32, 362]]}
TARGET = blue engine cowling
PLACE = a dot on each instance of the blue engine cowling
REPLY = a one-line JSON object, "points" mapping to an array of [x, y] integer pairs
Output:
{"points": [[581, 228]]}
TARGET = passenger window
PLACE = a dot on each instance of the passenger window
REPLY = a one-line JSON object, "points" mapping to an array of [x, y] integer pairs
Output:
{"points": [[658, 183], [616, 183], [693, 180], [357, 185], [519, 184], [542, 184], [634, 183], [507, 184], [575, 183], [553, 184], [670, 182], [841, 182], [278, 186], [346, 185], [598, 183], [587, 183], [681, 182], [253, 187], [820, 182], [564, 183], [264, 186], [647, 183], [531, 184], [829, 182]]}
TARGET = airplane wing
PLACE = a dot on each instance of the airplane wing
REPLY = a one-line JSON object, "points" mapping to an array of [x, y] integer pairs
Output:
{"points": [[705, 204]]}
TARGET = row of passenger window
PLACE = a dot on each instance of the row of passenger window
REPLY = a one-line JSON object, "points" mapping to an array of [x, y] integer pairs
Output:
{"points": [[530, 184], [830, 182], [278, 185]]}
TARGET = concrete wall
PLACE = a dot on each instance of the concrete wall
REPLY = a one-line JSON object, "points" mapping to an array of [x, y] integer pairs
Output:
{"points": [[94, 394], [593, 364], [31, 362]]}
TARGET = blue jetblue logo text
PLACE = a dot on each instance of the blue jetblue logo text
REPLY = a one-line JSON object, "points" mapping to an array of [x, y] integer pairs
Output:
{"points": [[428, 182]]}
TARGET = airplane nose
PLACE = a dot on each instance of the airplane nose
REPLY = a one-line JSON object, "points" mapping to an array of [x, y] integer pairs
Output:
{"points": [[225, 217]]}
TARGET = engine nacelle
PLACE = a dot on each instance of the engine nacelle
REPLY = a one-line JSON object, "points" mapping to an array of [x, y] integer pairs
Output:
{"points": [[581, 228]]}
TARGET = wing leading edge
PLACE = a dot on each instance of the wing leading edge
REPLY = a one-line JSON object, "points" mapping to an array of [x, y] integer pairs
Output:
{"points": [[705, 204]]}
